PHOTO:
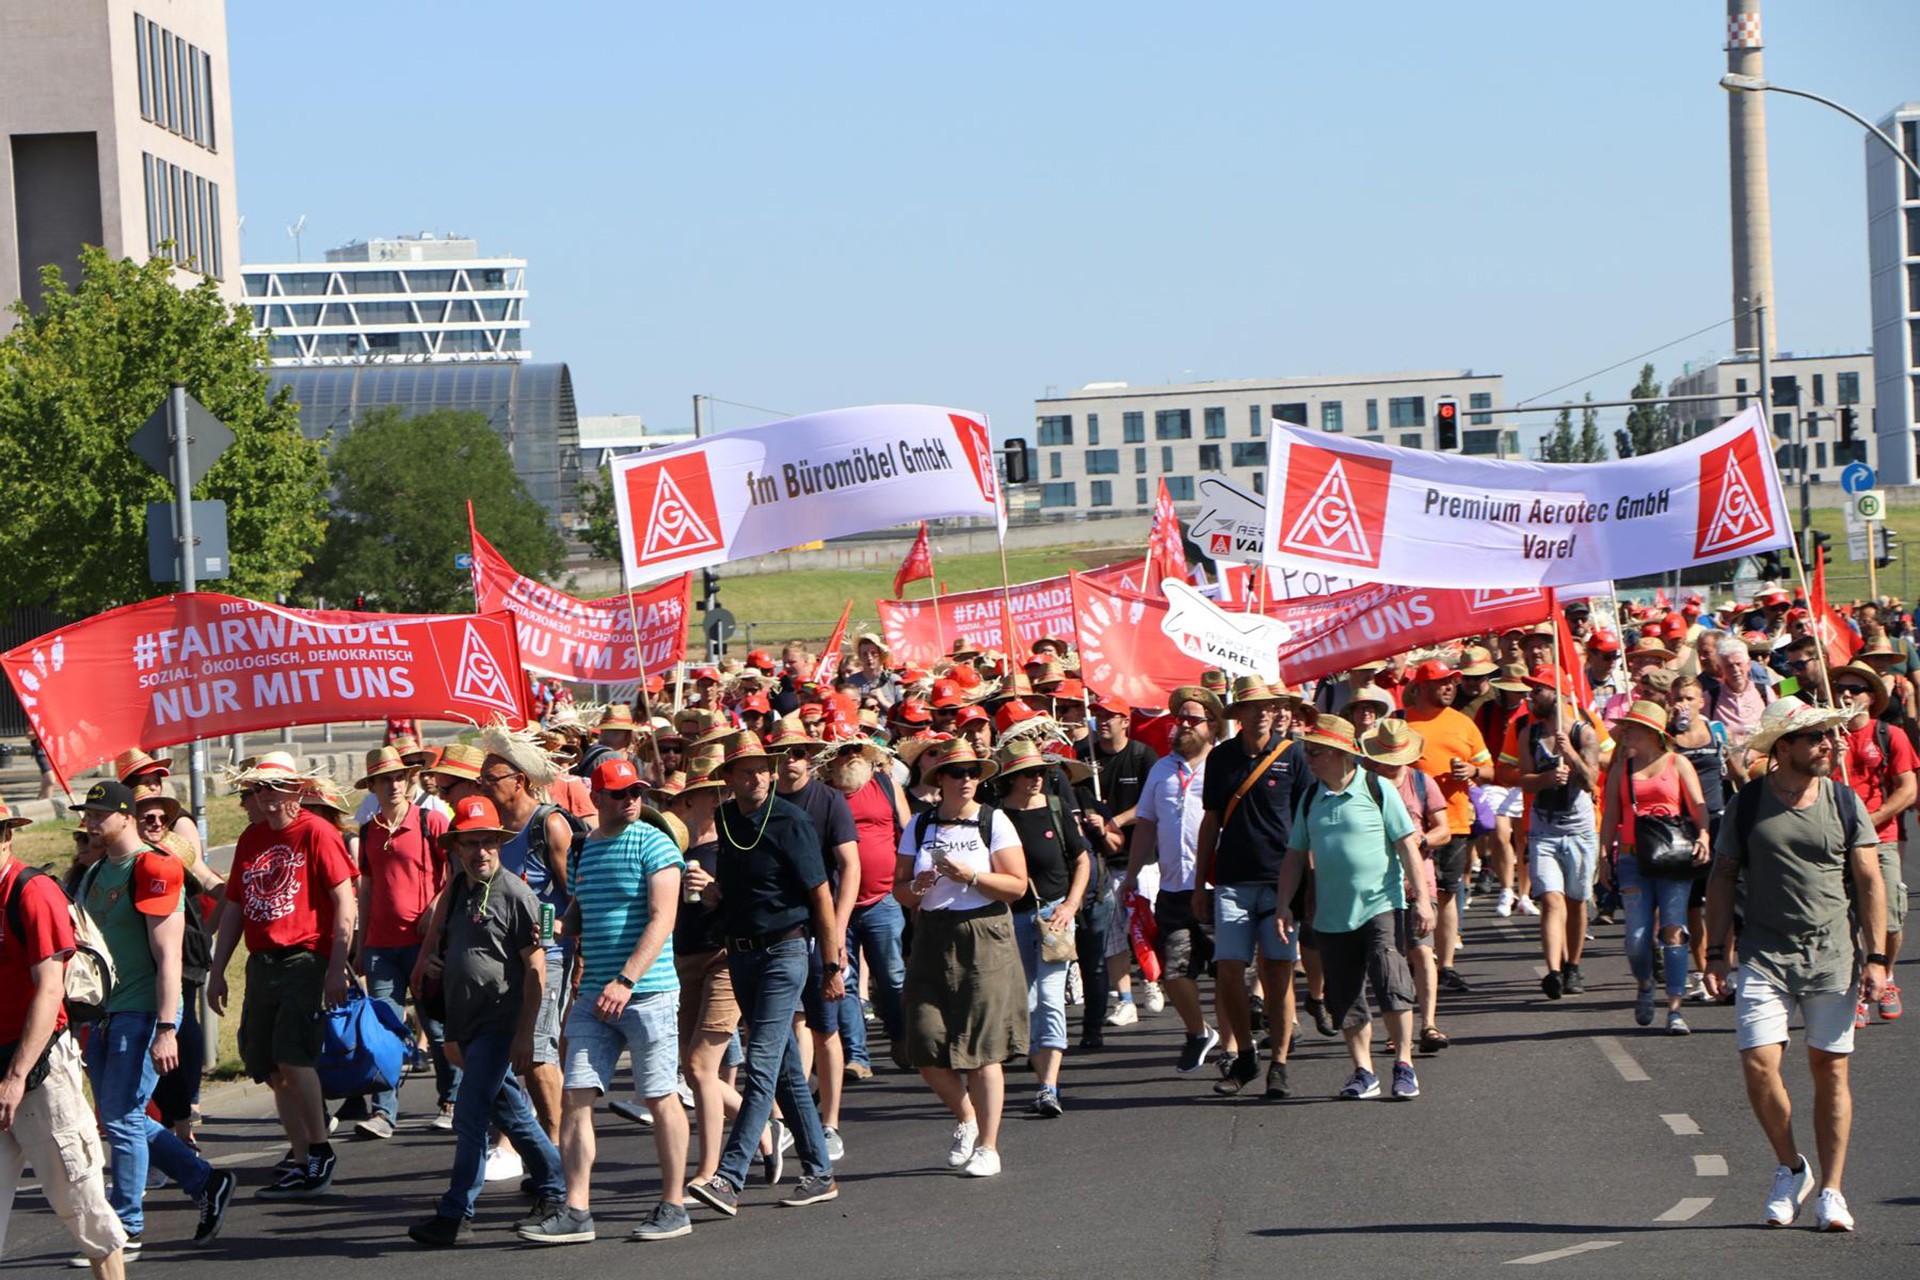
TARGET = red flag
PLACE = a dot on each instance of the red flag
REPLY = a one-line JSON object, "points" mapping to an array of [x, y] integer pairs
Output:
{"points": [[917, 565], [1166, 554], [1661, 598], [1838, 641], [828, 668], [1576, 667]]}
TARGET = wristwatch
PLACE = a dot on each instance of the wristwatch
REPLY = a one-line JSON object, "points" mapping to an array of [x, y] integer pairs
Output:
{"points": [[1877, 957], [623, 980], [832, 968], [166, 1026]]}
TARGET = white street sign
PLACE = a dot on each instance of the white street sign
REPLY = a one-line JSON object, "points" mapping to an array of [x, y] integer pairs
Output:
{"points": [[1872, 505]]}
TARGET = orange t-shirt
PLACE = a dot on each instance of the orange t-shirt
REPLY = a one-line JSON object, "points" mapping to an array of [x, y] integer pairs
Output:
{"points": [[1450, 735]]}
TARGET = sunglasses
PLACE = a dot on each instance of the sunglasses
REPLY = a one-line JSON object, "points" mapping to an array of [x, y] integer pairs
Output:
{"points": [[1807, 735], [498, 778], [1848, 690], [628, 793], [797, 753], [962, 772], [1191, 719], [154, 815]]}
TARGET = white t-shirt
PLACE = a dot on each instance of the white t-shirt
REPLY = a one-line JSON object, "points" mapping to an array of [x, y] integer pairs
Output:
{"points": [[960, 842], [1170, 799]]}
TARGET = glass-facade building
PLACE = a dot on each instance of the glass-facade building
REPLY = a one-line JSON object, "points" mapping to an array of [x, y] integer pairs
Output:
{"points": [[530, 405]]}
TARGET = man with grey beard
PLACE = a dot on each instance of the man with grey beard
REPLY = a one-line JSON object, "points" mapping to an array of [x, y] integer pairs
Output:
{"points": [[857, 770]]}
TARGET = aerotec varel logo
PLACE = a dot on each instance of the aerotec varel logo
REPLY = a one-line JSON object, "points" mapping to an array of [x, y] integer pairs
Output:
{"points": [[1335, 505], [1733, 503], [673, 502]]}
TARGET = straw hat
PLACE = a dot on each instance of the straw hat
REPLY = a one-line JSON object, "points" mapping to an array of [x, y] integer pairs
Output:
{"points": [[133, 762], [956, 751], [156, 793], [666, 824], [617, 716], [522, 749], [1393, 741], [1648, 648], [1865, 675], [1477, 662], [1022, 755], [1214, 681], [1791, 715], [460, 761], [382, 761], [325, 794], [1332, 731], [878, 642], [792, 731], [1374, 695], [1646, 715], [1061, 754], [912, 747], [1248, 690], [1879, 647], [275, 769], [744, 745], [9, 819], [1512, 679]]}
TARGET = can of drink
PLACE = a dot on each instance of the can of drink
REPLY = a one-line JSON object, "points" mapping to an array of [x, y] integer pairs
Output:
{"points": [[546, 922], [687, 892]]}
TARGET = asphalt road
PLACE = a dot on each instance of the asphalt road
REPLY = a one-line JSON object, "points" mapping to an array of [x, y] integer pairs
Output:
{"points": [[1558, 1135]]}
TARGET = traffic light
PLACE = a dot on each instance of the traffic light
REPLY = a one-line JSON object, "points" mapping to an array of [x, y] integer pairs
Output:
{"points": [[1848, 417], [1017, 461], [1820, 542], [709, 591], [1446, 426], [1889, 547], [360, 603], [1786, 392]]}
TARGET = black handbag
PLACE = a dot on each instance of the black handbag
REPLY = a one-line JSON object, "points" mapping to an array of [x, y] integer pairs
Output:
{"points": [[37, 1076], [1662, 846]]}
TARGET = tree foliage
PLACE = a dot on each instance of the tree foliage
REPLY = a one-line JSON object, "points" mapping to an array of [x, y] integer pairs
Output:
{"points": [[1558, 447], [1563, 445], [1590, 448], [601, 532], [78, 377], [401, 488], [1649, 427]]}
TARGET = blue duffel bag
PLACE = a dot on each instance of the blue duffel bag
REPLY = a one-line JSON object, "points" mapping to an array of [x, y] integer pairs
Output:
{"points": [[364, 1049]]}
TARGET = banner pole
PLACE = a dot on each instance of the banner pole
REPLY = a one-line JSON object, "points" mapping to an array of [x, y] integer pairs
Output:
{"points": [[1820, 655], [1006, 578], [933, 571], [640, 662]]}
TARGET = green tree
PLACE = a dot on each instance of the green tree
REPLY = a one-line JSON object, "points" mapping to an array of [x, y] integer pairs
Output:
{"points": [[1648, 427], [78, 377], [1558, 447], [401, 488], [1591, 448], [601, 531]]}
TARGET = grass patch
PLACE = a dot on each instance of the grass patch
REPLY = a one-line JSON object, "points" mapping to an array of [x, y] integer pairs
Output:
{"points": [[1846, 579]]}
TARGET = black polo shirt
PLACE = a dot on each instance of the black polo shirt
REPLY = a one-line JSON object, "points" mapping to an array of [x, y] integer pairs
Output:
{"points": [[769, 866], [1251, 847]]}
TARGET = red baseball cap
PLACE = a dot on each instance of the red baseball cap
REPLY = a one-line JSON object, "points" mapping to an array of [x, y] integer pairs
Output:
{"points": [[756, 702], [946, 693], [705, 673], [1798, 615], [1603, 642], [476, 813], [1113, 705], [912, 711], [1433, 671], [616, 774], [760, 658], [1012, 712], [970, 714]]}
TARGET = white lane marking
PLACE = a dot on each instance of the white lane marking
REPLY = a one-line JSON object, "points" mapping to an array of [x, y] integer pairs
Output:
{"points": [[241, 1157], [1683, 1126], [1709, 1166], [1539, 971], [1556, 1254], [1623, 1062], [1687, 1209]]}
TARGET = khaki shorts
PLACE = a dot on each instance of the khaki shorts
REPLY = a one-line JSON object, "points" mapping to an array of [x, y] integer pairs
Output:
{"points": [[55, 1132], [707, 1002], [280, 1022], [1894, 885]]}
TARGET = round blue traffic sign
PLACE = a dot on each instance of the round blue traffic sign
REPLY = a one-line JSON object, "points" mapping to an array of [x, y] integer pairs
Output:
{"points": [[1856, 477]]}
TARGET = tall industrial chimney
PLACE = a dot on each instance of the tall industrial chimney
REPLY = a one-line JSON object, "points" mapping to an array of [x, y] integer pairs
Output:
{"points": [[1747, 159]]}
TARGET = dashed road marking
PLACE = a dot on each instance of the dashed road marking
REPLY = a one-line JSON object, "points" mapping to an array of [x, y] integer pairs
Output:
{"points": [[1684, 1126], [1686, 1210], [1630, 1070], [1709, 1166], [1554, 1255], [241, 1157]]}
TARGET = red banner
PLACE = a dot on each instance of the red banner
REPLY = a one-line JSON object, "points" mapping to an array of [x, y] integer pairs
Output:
{"points": [[917, 565], [1838, 641], [1125, 652], [586, 640], [1043, 608], [827, 670], [200, 665], [1166, 555]]}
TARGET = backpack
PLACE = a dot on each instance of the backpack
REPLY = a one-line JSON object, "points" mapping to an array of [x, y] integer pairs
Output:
{"points": [[1373, 789], [196, 944], [90, 972], [537, 836], [982, 820], [1746, 813]]}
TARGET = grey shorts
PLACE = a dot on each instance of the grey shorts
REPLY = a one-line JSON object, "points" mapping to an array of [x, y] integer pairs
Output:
{"points": [[1372, 954], [547, 1026], [1895, 885]]}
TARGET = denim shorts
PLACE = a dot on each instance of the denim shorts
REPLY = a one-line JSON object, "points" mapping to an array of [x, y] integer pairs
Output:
{"points": [[648, 1029], [1244, 912], [546, 1023], [1563, 864]]}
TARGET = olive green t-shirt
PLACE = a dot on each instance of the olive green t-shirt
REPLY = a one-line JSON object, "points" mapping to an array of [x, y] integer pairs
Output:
{"points": [[1797, 934], [108, 894]]}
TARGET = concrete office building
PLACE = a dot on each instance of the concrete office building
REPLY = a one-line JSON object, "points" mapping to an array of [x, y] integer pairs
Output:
{"points": [[409, 299], [1825, 385], [118, 132], [1103, 449], [1893, 256]]}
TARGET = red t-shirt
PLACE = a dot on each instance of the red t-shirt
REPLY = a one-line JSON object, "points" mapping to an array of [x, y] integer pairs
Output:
{"points": [[1870, 775], [46, 931], [573, 795], [283, 881], [873, 820], [405, 868]]}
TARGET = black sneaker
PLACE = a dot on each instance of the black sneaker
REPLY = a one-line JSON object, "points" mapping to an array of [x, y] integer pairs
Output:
{"points": [[812, 1189], [1277, 1086], [287, 1164], [301, 1184], [1322, 1020], [666, 1222], [1572, 981], [1450, 980], [213, 1205], [543, 1209], [440, 1233], [1193, 1055], [1552, 984], [1092, 1042], [568, 1226], [1257, 1012], [717, 1194], [1246, 1069]]}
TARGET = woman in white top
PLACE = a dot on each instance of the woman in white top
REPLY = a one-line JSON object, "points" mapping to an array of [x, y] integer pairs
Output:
{"points": [[965, 998]]}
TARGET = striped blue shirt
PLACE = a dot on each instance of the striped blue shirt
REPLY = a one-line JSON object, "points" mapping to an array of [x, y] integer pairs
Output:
{"points": [[609, 881]]}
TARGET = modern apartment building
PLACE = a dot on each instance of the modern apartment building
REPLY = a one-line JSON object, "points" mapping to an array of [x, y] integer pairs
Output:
{"points": [[1104, 448], [1893, 271], [1826, 388], [117, 131]]}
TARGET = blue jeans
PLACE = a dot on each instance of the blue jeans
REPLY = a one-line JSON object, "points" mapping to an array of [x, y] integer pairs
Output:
{"points": [[388, 970], [490, 1094], [767, 984], [120, 1066], [1640, 896], [874, 930], [1046, 981]]}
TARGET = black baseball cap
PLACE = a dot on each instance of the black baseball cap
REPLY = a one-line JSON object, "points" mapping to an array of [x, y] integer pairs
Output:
{"points": [[106, 796]]}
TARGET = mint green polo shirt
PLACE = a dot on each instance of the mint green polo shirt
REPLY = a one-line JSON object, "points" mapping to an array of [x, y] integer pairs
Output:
{"points": [[1356, 872]]}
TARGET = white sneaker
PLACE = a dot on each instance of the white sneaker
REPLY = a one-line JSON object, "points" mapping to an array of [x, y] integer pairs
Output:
{"points": [[1124, 1014], [1076, 992], [503, 1164], [685, 1091], [1829, 1212], [984, 1164], [1790, 1190], [1156, 998], [1528, 907], [964, 1138], [1505, 906]]}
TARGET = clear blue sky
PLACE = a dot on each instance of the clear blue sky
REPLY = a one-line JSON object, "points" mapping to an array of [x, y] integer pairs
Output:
{"points": [[810, 206]]}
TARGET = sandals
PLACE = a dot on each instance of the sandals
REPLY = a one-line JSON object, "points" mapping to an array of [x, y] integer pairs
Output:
{"points": [[1433, 1040]]}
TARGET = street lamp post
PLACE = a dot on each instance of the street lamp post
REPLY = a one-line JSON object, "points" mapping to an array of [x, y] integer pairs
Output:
{"points": [[1734, 83]]}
